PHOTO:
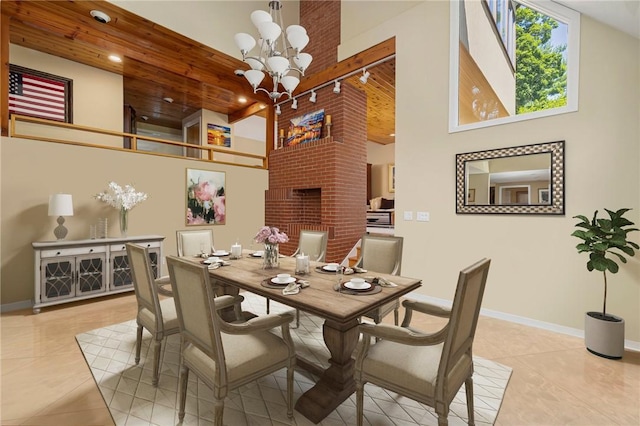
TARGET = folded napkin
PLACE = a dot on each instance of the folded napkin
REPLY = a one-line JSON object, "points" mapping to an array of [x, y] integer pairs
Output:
{"points": [[348, 271], [383, 282], [292, 288], [295, 287]]}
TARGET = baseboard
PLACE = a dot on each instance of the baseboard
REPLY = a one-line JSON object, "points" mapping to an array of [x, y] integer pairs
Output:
{"points": [[576, 332], [16, 306]]}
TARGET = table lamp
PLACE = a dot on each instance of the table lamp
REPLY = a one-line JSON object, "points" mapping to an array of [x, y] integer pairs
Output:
{"points": [[60, 205]]}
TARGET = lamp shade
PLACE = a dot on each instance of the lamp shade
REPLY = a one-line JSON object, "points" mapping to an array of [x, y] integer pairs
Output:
{"points": [[269, 31], [298, 40], [302, 61], [259, 16], [60, 205], [278, 64], [290, 82], [244, 42], [254, 77]]}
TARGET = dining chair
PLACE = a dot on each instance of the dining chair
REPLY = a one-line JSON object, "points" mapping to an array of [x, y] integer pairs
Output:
{"points": [[382, 253], [194, 243], [427, 367], [225, 356], [157, 316], [313, 244]]}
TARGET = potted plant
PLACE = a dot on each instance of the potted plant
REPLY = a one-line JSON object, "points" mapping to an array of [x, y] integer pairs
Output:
{"points": [[605, 240]]}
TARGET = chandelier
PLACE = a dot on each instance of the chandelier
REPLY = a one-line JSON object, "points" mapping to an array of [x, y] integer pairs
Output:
{"points": [[280, 53]]}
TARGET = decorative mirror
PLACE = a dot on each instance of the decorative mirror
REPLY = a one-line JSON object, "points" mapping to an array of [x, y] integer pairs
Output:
{"points": [[525, 179]]}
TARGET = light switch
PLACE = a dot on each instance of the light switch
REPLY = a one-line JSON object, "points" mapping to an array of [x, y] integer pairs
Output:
{"points": [[423, 216], [408, 215]]}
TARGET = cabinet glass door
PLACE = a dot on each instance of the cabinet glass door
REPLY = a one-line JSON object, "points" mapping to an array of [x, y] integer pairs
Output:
{"points": [[90, 273], [57, 279], [120, 271]]}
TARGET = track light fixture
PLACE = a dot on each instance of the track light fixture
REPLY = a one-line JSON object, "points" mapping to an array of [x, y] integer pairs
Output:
{"points": [[294, 104], [365, 76], [312, 99], [278, 112], [336, 87]]}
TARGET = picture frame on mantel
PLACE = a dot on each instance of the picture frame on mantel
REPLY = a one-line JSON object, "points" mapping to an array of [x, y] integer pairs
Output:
{"points": [[392, 177], [206, 197]]}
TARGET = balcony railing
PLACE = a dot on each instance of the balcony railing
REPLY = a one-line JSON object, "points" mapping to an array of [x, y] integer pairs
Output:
{"points": [[208, 153]]}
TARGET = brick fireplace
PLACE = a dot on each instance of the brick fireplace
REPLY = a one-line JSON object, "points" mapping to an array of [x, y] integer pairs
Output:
{"points": [[322, 185]]}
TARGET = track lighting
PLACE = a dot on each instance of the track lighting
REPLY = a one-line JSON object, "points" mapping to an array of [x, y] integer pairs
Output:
{"points": [[278, 110], [336, 87], [294, 104], [365, 76], [312, 99]]}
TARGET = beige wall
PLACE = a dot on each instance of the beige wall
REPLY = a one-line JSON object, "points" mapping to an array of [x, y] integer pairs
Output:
{"points": [[32, 170], [97, 96], [380, 156], [602, 170]]}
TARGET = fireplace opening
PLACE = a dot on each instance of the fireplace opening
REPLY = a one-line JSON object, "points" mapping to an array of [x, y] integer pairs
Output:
{"points": [[308, 206]]}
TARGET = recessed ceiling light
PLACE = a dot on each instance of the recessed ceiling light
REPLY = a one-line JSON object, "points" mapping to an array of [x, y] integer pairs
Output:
{"points": [[115, 58], [168, 100], [100, 16], [144, 117], [393, 135], [242, 100], [262, 106]]}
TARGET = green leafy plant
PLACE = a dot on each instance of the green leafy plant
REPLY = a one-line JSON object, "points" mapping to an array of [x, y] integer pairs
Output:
{"points": [[605, 237]]}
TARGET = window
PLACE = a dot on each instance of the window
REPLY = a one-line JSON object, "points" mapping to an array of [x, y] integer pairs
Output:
{"points": [[511, 61]]}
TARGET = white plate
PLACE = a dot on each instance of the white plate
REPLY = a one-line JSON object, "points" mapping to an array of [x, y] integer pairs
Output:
{"points": [[220, 253], [211, 260], [288, 281], [257, 254], [330, 268], [358, 286]]}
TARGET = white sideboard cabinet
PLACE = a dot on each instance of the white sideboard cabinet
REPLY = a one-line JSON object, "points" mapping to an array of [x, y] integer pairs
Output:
{"points": [[67, 271]]}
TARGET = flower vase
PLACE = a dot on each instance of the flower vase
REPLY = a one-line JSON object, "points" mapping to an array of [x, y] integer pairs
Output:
{"points": [[124, 222], [271, 256]]}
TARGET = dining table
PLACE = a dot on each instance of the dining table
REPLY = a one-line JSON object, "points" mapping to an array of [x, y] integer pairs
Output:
{"points": [[341, 311]]}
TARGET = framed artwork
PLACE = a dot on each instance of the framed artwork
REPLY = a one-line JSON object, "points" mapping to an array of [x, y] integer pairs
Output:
{"points": [[471, 195], [392, 178], [543, 196], [206, 197], [40, 95], [218, 135], [305, 128]]}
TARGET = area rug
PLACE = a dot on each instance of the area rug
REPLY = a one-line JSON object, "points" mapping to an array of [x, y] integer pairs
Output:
{"points": [[133, 400]]}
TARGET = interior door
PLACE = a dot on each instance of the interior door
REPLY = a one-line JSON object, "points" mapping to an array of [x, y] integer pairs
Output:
{"points": [[192, 137]]}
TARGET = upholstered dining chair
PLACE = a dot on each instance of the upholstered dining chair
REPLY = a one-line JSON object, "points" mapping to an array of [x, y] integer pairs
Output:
{"points": [[313, 244], [193, 243], [157, 316], [427, 367], [225, 356], [382, 253]]}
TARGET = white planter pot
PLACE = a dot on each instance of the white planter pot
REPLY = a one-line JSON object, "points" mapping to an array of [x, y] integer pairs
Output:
{"points": [[604, 338]]}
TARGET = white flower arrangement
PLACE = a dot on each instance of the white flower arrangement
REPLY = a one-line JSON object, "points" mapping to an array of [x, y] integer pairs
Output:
{"points": [[120, 198]]}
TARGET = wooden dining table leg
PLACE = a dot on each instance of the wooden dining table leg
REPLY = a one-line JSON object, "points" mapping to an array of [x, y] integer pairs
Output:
{"points": [[336, 383]]}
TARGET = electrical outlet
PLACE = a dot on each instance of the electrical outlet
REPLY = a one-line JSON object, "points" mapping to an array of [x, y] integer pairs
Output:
{"points": [[408, 215], [423, 216]]}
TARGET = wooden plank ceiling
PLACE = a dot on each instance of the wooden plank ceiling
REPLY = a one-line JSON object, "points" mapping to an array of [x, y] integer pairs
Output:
{"points": [[158, 63]]}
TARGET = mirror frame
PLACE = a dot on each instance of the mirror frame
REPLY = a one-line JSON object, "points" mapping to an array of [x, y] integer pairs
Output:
{"points": [[556, 184]]}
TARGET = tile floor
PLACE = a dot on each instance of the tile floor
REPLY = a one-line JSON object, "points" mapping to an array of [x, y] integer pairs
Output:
{"points": [[555, 381]]}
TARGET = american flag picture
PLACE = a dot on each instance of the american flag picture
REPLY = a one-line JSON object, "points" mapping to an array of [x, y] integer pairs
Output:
{"points": [[37, 96]]}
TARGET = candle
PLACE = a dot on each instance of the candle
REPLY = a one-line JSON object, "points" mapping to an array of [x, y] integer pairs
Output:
{"points": [[236, 251], [328, 120], [282, 133], [302, 264]]}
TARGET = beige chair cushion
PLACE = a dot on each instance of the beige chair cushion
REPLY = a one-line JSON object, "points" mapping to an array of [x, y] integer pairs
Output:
{"points": [[245, 354], [169, 316], [415, 368]]}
